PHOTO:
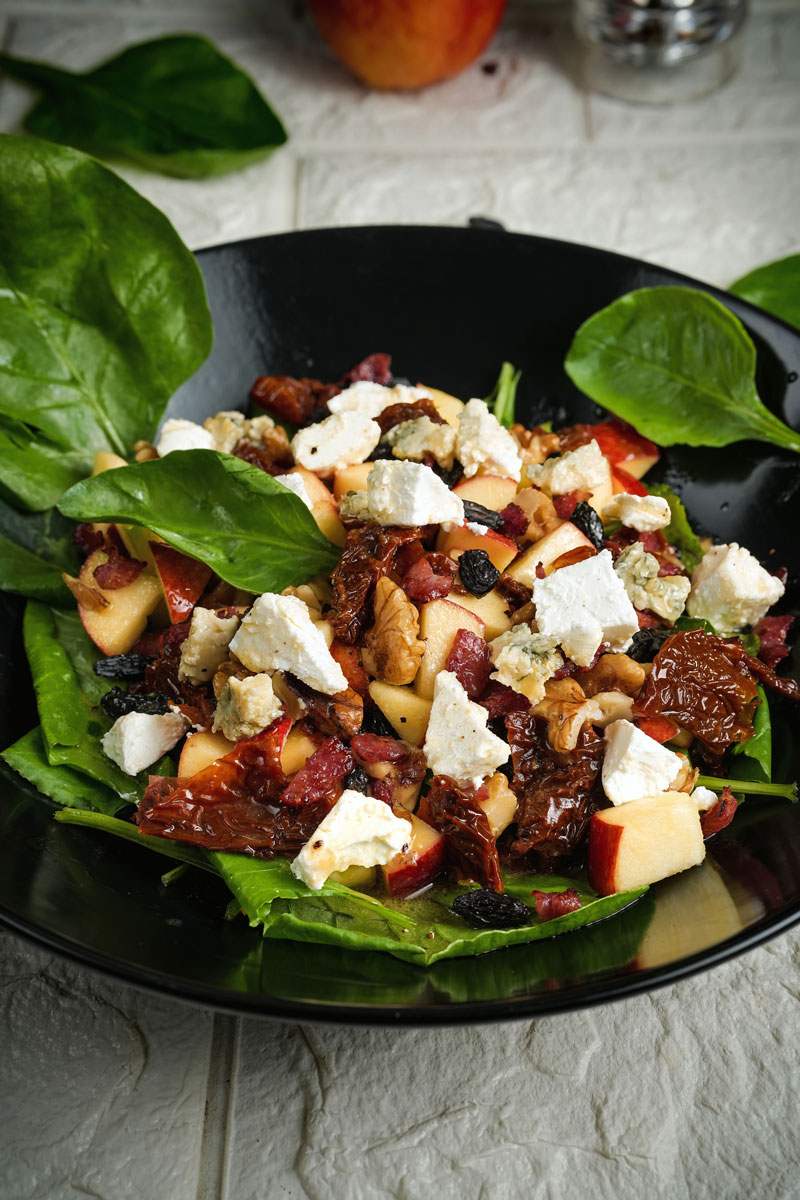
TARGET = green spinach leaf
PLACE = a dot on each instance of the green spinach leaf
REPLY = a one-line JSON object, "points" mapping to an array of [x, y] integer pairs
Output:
{"points": [[73, 789], [753, 759], [34, 550], [174, 105], [678, 366], [748, 787], [502, 399], [102, 315], [775, 287], [679, 532], [241, 522], [130, 833]]}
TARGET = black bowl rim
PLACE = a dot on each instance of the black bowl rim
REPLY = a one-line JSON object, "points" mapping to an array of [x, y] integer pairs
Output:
{"points": [[574, 998]]}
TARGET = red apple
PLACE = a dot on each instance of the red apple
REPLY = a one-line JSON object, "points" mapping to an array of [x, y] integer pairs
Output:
{"points": [[638, 843], [492, 491], [183, 579], [564, 539], [200, 750], [501, 550], [439, 622], [406, 43], [419, 865], [624, 447], [114, 618]]}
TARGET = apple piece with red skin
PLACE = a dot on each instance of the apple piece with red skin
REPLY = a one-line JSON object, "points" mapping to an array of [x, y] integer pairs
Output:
{"points": [[406, 45], [492, 491], [624, 447], [419, 865], [562, 540], [492, 609], [501, 550], [439, 622], [622, 481], [323, 506], [114, 618], [183, 579], [200, 750], [638, 843]]}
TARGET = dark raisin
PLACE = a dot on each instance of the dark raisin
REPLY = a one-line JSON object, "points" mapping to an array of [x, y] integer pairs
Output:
{"points": [[483, 909], [122, 666], [478, 573], [449, 475], [118, 703], [588, 521], [358, 781], [647, 643], [482, 515], [382, 450], [375, 722]]}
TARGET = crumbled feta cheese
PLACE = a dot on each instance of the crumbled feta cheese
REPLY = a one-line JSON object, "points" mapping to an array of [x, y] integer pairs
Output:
{"points": [[636, 765], [206, 646], [137, 740], [638, 570], [583, 605], [177, 434], [296, 484], [585, 469], [370, 399], [226, 428], [256, 427], [414, 439], [278, 634], [476, 528], [525, 661], [458, 743], [643, 513], [704, 798], [731, 589], [359, 831], [245, 707], [483, 443], [337, 442], [354, 506], [406, 493]]}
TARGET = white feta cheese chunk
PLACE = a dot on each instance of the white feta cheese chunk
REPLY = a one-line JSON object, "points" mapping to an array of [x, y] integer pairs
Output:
{"points": [[525, 660], [406, 493], [731, 589], [296, 484], [476, 528], [245, 707], [638, 571], [226, 428], [206, 647], [585, 469], [137, 740], [704, 798], [370, 399], [636, 765], [278, 634], [414, 439], [482, 443], [458, 743], [177, 434], [339, 441], [584, 605], [643, 513], [359, 831]]}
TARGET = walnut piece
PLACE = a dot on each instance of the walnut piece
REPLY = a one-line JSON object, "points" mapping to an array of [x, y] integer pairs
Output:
{"points": [[535, 444], [230, 669], [613, 673], [392, 651]]}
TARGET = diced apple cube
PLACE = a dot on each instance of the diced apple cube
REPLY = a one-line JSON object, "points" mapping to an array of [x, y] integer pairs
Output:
{"points": [[120, 615], [501, 804], [501, 550], [406, 712], [439, 622], [351, 479], [492, 491], [297, 748], [491, 608], [644, 841], [200, 750], [448, 407], [419, 865], [323, 506], [565, 538]]}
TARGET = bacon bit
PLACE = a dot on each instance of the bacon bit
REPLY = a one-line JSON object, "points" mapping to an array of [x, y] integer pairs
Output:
{"points": [[290, 399], [782, 575], [660, 729], [565, 504], [383, 789], [321, 774], [429, 578], [375, 747], [470, 660], [396, 414], [84, 593], [499, 699], [723, 812], [375, 368], [270, 460], [772, 633], [117, 572], [576, 555], [165, 641], [513, 591], [540, 572], [573, 436], [568, 669], [404, 775], [666, 567], [406, 556], [648, 620], [550, 905], [349, 660], [515, 521], [625, 482], [87, 538], [456, 813]]}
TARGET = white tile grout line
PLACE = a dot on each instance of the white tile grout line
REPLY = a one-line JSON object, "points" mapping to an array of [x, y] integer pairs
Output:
{"points": [[219, 1093]]}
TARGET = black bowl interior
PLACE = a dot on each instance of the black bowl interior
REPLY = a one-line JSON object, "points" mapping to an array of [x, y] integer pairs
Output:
{"points": [[449, 305]]}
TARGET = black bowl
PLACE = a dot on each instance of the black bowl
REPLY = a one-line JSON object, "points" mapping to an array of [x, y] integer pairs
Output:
{"points": [[449, 305]]}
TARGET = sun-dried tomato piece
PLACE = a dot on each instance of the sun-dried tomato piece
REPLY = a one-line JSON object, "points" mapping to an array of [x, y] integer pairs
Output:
{"points": [[368, 555], [321, 775], [772, 633], [513, 591], [87, 538], [233, 804], [499, 699], [272, 460], [735, 651], [341, 714], [573, 436], [456, 813], [117, 572], [372, 748], [550, 905], [291, 399], [566, 503], [429, 578], [515, 521], [720, 815], [349, 660], [557, 793], [407, 555], [470, 660], [396, 414], [375, 368]]}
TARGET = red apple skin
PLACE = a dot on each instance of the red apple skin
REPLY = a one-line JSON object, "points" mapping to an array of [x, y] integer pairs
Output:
{"points": [[406, 44], [183, 579], [421, 863], [603, 844]]}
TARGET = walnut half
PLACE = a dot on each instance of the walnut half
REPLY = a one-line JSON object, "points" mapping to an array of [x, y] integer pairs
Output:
{"points": [[392, 651]]}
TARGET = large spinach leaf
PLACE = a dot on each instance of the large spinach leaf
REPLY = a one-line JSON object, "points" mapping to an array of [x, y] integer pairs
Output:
{"points": [[130, 833], [753, 759], [73, 789], [241, 522], [34, 550], [775, 287], [174, 105], [679, 532], [678, 366], [102, 315]]}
